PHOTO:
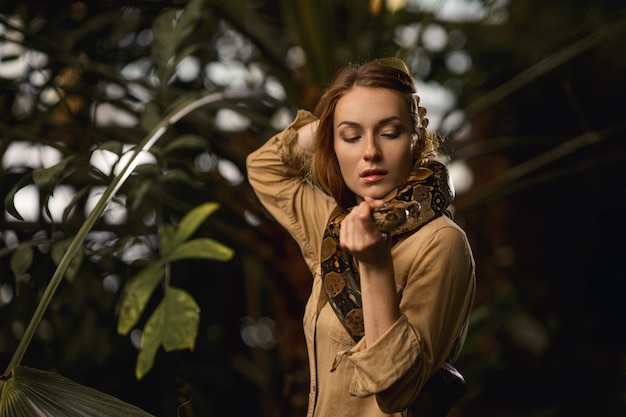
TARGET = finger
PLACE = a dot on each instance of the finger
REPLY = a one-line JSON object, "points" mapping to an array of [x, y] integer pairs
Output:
{"points": [[361, 212], [358, 229]]}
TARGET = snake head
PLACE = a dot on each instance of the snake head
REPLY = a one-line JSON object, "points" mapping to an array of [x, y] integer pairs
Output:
{"points": [[394, 215]]}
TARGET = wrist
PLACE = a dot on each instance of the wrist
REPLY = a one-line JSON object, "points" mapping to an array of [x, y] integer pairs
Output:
{"points": [[381, 264]]}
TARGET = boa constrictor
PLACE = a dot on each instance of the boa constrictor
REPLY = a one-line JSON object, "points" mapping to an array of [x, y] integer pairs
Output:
{"points": [[424, 196]]}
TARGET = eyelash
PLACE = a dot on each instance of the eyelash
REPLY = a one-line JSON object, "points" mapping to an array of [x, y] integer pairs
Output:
{"points": [[391, 135]]}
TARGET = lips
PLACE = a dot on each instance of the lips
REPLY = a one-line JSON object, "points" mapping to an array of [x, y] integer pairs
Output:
{"points": [[372, 175]]}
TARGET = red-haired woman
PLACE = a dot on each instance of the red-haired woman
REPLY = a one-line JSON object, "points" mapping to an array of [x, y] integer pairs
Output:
{"points": [[390, 297]]}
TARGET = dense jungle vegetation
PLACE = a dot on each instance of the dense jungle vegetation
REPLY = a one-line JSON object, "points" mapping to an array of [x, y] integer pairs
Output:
{"points": [[128, 220]]}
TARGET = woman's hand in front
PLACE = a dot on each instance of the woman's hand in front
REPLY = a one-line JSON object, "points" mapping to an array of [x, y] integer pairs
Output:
{"points": [[359, 236]]}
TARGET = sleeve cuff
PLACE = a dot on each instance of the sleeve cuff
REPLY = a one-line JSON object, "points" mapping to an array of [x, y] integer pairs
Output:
{"points": [[380, 365], [294, 157]]}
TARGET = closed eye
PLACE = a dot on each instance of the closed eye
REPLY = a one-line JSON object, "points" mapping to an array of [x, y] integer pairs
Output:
{"points": [[350, 139], [391, 135]]}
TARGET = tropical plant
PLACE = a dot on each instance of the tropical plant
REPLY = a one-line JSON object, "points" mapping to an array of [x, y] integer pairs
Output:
{"points": [[174, 322], [526, 94]]}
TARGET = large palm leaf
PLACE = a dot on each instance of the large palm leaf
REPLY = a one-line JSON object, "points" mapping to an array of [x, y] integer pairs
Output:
{"points": [[29, 392]]}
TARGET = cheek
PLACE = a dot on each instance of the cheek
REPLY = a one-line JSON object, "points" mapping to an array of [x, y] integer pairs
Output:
{"points": [[405, 153], [406, 161], [345, 154]]}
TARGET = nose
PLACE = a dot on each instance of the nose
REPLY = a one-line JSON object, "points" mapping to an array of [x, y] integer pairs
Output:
{"points": [[372, 150]]}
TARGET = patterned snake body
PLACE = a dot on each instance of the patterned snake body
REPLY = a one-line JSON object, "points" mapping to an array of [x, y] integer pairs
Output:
{"points": [[425, 196], [393, 215]]}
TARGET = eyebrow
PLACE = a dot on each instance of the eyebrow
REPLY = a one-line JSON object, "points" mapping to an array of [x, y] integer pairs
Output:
{"points": [[380, 123]]}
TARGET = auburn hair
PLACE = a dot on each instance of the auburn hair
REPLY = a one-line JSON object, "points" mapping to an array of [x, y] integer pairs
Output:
{"points": [[389, 73]]}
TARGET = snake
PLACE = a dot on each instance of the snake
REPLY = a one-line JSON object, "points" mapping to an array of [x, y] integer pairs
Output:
{"points": [[425, 196]]}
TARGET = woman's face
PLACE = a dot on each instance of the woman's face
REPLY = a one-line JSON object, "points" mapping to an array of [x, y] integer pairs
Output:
{"points": [[373, 136]]}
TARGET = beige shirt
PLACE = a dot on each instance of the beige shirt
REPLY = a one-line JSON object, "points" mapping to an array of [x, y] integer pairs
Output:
{"points": [[434, 273]]}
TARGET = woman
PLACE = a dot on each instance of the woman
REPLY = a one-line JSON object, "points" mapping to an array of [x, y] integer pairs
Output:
{"points": [[387, 308]]}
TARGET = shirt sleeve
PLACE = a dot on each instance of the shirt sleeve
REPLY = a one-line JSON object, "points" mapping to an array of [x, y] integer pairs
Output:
{"points": [[435, 305], [278, 172]]}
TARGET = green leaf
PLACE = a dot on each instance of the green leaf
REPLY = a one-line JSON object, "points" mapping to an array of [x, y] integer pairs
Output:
{"points": [[9, 204], [185, 52], [114, 146], [136, 294], [149, 170], [21, 260], [75, 199], [163, 44], [185, 142], [136, 195], [167, 232], [173, 324], [182, 319], [192, 220], [57, 253], [149, 349], [203, 248], [187, 22], [169, 30], [177, 176], [29, 392], [46, 177], [150, 116]]}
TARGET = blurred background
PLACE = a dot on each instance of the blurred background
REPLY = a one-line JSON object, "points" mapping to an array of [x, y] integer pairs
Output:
{"points": [[529, 94]]}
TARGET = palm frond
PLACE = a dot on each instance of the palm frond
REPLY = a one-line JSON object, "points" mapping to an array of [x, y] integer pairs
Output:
{"points": [[28, 392]]}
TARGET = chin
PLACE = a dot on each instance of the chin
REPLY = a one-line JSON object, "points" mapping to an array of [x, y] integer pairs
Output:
{"points": [[378, 194]]}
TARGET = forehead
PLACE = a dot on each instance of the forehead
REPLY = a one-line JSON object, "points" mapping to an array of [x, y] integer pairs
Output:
{"points": [[364, 105]]}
